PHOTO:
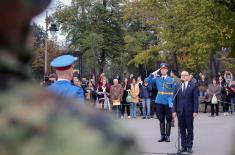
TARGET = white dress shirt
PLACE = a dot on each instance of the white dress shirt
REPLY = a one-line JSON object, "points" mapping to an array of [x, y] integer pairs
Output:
{"points": [[186, 85]]}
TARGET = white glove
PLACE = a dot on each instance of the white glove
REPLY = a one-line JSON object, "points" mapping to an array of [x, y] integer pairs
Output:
{"points": [[156, 72]]}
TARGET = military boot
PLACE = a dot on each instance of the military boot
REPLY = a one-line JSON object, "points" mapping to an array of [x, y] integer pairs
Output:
{"points": [[168, 132], [162, 130]]}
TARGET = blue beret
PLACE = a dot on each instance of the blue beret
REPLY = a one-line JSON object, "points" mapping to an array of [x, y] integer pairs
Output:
{"points": [[63, 61], [164, 65]]}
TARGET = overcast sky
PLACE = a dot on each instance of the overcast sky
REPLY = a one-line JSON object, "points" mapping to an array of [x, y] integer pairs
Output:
{"points": [[40, 19]]}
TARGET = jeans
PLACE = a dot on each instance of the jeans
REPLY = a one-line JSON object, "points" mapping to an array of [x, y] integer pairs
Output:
{"points": [[201, 93], [146, 106], [133, 110], [116, 111], [232, 103]]}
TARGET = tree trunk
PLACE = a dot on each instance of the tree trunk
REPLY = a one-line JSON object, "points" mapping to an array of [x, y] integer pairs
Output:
{"points": [[105, 3], [102, 62], [213, 65], [198, 69], [216, 66], [175, 61]]}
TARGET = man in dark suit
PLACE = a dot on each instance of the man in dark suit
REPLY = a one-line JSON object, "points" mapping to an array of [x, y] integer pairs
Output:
{"points": [[186, 108]]}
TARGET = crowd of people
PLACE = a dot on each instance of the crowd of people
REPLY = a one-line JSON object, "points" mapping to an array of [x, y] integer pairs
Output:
{"points": [[219, 93], [134, 96]]}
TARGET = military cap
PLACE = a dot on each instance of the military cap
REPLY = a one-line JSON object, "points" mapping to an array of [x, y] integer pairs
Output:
{"points": [[63, 62], [164, 65]]}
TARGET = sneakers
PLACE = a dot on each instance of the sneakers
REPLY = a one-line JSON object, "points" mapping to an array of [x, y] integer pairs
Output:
{"points": [[122, 117], [146, 117], [129, 117]]}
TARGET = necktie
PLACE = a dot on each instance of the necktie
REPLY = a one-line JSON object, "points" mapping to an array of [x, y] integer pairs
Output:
{"points": [[184, 88]]}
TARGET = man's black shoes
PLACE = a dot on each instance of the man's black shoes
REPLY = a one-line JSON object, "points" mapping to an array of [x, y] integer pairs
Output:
{"points": [[162, 138], [183, 150], [167, 138]]}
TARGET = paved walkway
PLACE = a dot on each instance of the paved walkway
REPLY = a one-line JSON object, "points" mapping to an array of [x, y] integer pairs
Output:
{"points": [[213, 135]]}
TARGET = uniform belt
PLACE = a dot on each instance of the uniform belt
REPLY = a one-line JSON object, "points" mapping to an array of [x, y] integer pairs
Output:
{"points": [[165, 93]]}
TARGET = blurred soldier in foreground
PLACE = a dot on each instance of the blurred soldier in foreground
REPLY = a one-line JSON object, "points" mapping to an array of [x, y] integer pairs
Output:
{"points": [[35, 122]]}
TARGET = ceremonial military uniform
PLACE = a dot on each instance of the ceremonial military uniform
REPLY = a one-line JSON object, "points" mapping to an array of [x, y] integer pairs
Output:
{"points": [[164, 101], [64, 87], [35, 122]]}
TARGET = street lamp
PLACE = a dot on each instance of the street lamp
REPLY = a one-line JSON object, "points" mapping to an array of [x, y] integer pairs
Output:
{"points": [[79, 54], [53, 29]]}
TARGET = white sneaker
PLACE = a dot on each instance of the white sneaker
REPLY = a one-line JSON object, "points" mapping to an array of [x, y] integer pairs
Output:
{"points": [[224, 114], [122, 117], [129, 117]]}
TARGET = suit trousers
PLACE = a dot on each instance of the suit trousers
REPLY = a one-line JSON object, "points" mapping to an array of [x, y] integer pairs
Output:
{"points": [[186, 130]]}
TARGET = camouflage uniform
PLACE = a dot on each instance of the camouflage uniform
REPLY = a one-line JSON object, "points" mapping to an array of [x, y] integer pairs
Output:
{"points": [[35, 122]]}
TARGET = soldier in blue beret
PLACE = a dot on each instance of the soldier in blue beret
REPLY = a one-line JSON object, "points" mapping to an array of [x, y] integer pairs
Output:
{"points": [[164, 99], [63, 86]]}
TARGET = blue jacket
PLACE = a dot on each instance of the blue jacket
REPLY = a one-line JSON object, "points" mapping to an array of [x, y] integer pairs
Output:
{"points": [[187, 103], [165, 89], [145, 91], [66, 89]]}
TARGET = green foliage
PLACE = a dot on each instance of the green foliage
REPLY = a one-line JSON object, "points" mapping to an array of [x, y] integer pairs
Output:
{"points": [[193, 29], [94, 29], [123, 34]]}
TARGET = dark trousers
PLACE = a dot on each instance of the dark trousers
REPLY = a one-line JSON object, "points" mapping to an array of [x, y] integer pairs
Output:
{"points": [[125, 107], [206, 105], [214, 109], [186, 130], [153, 108], [141, 109], [225, 107], [164, 112]]}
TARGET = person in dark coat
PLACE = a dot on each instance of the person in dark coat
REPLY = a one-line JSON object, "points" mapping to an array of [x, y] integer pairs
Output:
{"points": [[185, 106], [153, 106], [145, 95], [125, 104]]}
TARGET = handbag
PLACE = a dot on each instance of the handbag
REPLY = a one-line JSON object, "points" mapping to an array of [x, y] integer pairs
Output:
{"points": [[128, 98], [214, 100], [116, 102]]}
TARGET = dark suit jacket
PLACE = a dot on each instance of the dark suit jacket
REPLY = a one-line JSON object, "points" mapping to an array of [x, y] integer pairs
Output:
{"points": [[188, 102]]}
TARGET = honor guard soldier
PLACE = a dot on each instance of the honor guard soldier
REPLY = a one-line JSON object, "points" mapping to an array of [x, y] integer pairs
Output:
{"points": [[63, 86], [164, 99]]}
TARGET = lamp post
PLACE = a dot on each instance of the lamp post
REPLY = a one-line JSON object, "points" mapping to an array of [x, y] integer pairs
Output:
{"points": [[79, 54], [53, 29]]}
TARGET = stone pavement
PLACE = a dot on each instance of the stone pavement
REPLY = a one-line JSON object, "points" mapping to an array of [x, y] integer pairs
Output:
{"points": [[213, 135]]}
